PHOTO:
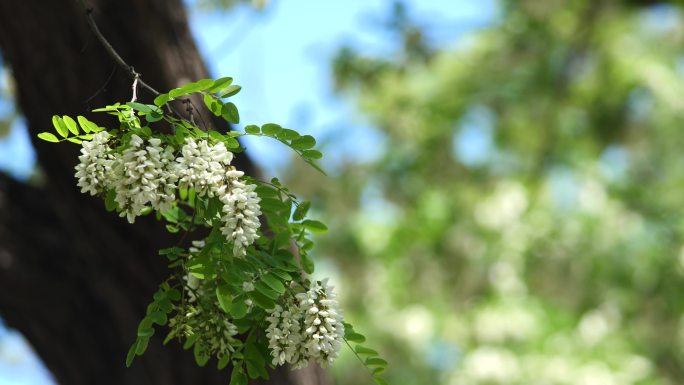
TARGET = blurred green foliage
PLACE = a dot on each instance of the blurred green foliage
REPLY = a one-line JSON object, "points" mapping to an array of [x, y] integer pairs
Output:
{"points": [[523, 221]]}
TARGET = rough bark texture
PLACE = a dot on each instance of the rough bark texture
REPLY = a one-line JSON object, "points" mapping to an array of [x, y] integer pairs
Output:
{"points": [[75, 279]]}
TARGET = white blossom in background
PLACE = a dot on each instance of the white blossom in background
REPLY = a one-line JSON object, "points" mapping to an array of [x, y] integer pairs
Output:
{"points": [[142, 175], [202, 166], [323, 331], [240, 214], [95, 165]]}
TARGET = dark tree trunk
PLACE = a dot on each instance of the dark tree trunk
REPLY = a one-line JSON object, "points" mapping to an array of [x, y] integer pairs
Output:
{"points": [[75, 279]]}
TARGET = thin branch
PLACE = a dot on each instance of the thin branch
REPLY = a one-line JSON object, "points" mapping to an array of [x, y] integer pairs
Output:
{"points": [[111, 51], [104, 86], [120, 61]]}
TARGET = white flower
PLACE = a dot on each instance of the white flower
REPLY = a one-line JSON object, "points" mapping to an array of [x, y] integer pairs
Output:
{"points": [[241, 214], [285, 335], [202, 166], [322, 323], [248, 286], [142, 175], [308, 328], [197, 246], [94, 169]]}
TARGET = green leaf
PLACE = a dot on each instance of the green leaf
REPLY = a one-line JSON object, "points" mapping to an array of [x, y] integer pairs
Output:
{"points": [[315, 226], [256, 365], [301, 210], [162, 99], [131, 354], [265, 191], [75, 140], [230, 113], [304, 142], [282, 274], [170, 336], [141, 346], [201, 356], [223, 362], [230, 91], [60, 127], [271, 129], [379, 381], [165, 305], [171, 251], [154, 116], [212, 104], [307, 263], [231, 143], [287, 134], [48, 137], [360, 349], [86, 125], [189, 88], [220, 84], [262, 300], [252, 129], [110, 200], [312, 154], [146, 332], [263, 288], [376, 361], [355, 337], [315, 166], [189, 341], [274, 283], [282, 239], [70, 124], [144, 108], [238, 308], [174, 294], [224, 297], [238, 377], [158, 317]]}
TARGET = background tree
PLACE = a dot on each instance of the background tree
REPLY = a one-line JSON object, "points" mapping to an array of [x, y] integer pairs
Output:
{"points": [[521, 222]]}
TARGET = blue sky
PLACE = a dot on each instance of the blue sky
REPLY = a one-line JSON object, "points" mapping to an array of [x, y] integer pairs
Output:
{"points": [[281, 58]]}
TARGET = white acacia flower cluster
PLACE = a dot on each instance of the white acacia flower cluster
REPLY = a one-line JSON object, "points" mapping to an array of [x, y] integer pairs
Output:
{"points": [[308, 327], [143, 175], [95, 164], [205, 168], [241, 214], [215, 333], [147, 174]]}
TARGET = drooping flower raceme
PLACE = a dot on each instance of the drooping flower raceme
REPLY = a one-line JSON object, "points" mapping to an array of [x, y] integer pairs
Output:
{"points": [[310, 327], [142, 175], [240, 213], [284, 334], [95, 165], [146, 173], [322, 323], [202, 166]]}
